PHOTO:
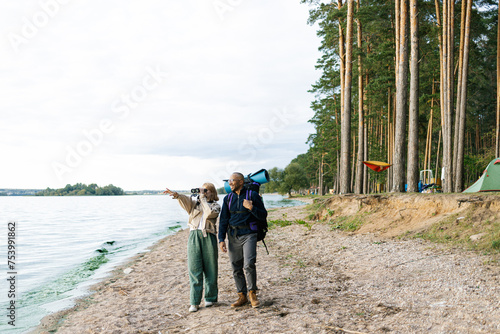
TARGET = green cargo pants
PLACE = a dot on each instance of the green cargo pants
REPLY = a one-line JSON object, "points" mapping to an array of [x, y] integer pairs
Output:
{"points": [[202, 261]]}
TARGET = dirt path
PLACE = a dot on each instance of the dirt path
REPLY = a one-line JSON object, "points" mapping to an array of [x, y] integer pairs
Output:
{"points": [[314, 281]]}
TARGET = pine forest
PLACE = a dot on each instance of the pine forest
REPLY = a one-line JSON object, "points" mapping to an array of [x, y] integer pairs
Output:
{"points": [[412, 83]]}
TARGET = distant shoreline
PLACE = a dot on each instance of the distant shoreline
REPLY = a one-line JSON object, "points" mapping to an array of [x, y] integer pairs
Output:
{"points": [[33, 192]]}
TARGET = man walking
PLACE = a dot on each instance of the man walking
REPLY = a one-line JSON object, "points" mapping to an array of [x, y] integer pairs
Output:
{"points": [[237, 219]]}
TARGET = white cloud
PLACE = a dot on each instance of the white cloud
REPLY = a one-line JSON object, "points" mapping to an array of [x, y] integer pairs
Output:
{"points": [[224, 81]]}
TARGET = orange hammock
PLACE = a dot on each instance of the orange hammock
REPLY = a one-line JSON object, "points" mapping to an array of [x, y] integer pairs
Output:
{"points": [[377, 165]]}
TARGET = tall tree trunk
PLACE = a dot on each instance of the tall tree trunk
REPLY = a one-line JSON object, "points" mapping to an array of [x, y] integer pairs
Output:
{"points": [[397, 32], [437, 154], [447, 88], [337, 151], [365, 157], [441, 80], [342, 85], [460, 150], [353, 155], [320, 176], [428, 154], [337, 178], [441, 83], [445, 83], [390, 139], [345, 144], [401, 101], [414, 95], [459, 88], [342, 61], [444, 88], [361, 137], [451, 38], [497, 146]]}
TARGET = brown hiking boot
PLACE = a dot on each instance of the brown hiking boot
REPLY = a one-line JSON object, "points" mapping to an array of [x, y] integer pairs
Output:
{"points": [[253, 299], [242, 300]]}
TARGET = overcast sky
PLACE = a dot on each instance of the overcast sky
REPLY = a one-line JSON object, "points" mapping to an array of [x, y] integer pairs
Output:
{"points": [[152, 94]]}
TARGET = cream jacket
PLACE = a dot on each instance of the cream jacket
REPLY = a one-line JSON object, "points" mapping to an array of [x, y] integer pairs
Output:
{"points": [[201, 212]]}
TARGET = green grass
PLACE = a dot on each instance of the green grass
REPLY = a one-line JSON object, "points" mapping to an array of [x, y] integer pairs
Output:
{"points": [[457, 232], [278, 222], [282, 222], [303, 222], [348, 223]]}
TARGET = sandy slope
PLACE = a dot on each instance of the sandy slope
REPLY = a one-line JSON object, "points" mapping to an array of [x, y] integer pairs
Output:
{"points": [[314, 281]]}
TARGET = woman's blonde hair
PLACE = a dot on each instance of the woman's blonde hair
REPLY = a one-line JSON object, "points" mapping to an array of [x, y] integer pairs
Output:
{"points": [[211, 187]]}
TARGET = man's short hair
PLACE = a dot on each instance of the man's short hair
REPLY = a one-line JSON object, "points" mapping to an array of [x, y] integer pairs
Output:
{"points": [[239, 174]]}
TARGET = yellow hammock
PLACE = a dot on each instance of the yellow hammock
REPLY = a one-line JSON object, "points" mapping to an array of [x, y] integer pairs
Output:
{"points": [[377, 165]]}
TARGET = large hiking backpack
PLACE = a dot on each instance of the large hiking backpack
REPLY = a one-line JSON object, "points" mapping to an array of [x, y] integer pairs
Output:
{"points": [[259, 225], [252, 181]]}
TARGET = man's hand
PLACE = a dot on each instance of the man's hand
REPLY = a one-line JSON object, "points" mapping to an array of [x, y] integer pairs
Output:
{"points": [[248, 204], [222, 246]]}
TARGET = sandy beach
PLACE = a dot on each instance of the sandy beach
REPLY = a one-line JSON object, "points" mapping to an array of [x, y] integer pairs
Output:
{"points": [[315, 280]]}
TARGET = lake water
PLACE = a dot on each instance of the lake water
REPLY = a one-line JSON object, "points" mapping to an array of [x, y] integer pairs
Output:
{"points": [[66, 244]]}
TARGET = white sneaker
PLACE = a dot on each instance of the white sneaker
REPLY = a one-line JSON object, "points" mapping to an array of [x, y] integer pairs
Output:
{"points": [[208, 304], [193, 308]]}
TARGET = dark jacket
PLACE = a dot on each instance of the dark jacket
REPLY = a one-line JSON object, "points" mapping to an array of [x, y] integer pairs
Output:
{"points": [[238, 215]]}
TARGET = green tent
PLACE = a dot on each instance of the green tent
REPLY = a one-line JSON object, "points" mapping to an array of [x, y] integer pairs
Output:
{"points": [[489, 181]]}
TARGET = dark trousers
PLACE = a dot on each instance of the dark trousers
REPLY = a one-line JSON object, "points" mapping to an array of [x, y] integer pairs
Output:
{"points": [[243, 255]]}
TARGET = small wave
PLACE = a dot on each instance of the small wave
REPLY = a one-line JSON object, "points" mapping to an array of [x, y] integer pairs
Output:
{"points": [[105, 248], [169, 230]]}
